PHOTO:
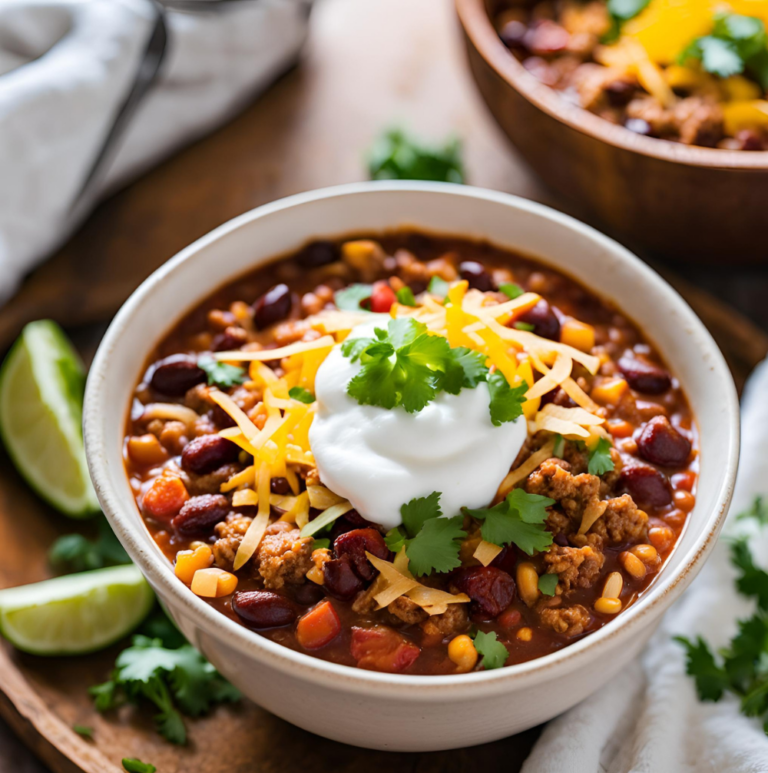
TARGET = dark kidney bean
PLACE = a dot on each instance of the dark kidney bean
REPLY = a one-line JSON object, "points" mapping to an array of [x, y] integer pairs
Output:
{"points": [[355, 518], [232, 338], [491, 590], [307, 594], [355, 544], [273, 306], [318, 253], [341, 580], [199, 514], [279, 486], [558, 397], [644, 376], [660, 443], [646, 485], [207, 453], [263, 609], [175, 375], [620, 93], [476, 275], [506, 560], [544, 320]]}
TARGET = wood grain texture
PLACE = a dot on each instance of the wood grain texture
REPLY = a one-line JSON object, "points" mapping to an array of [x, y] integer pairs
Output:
{"points": [[684, 202], [368, 65]]}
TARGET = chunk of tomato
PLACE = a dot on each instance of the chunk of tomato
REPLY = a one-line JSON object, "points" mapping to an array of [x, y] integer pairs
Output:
{"points": [[383, 649], [382, 298]]}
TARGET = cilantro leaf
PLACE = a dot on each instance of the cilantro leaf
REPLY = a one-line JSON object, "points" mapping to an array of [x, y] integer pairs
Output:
{"points": [[518, 520], [420, 510], [559, 448], [395, 539], [76, 553], [319, 544], [133, 765], [493, 652], [301, 394], [600, 460], [506, 402], [711, 680], [548, 584], [747, 648], [405, 296], [757, 511], [752, 581], [395, 156], [438, 286], [511, 290], [466, 369], [84, 731], [626, 9], [221, 374], [436, 546], [527, 326], [352, 297], [720, 57]]}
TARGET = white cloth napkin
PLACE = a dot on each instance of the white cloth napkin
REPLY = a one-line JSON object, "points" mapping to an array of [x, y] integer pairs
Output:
{"points": [[649, 720], [66, 67]]}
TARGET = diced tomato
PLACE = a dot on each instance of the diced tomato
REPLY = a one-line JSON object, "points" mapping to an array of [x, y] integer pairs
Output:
{"points": [[165, 498], [382, 298], [320, 626], [382, 649]]}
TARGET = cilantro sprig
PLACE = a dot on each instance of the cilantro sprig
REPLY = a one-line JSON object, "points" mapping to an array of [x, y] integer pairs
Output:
{"points": [[133, 765], [621, 11], [395, 156], [493, 652], [221, 374], [404, 366], [431, 542], [600, 460], [301, 394], [76, 553], [742, 667], [518, 520]]}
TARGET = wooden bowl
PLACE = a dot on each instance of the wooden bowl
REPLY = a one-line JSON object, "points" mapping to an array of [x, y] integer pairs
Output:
{"points": [[685, 202]]}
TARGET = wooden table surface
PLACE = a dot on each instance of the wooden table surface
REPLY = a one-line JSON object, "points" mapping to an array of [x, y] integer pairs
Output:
{"points": [[369, 64]]}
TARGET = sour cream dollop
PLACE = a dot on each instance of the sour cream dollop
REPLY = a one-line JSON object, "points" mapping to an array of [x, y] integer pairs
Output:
{"points": [[379, 459]]}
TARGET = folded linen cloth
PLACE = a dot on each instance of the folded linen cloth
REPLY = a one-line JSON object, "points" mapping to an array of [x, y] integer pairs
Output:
{"points": [[649, 719], [66, 68]]}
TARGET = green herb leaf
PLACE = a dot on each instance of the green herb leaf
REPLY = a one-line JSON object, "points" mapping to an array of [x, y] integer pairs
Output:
{"points": [[506, 402], [518, 520], [350, 298], [75, 553], [221, 374], [758, 511], [752, 581], [319, 544], [395, 539], [559, 448], [420, 510], [436, 546], [493, 652], [438, 286], [711, 680], [548, 584], [511, 290], [132, 765], [394, 156], [405, 296], [301, 394], [527, 326], [626, 9], [84, 731], [600, 460]]}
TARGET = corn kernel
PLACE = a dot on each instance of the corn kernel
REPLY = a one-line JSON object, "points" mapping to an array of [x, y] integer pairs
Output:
{"points": [[189, 561], [577, 334], [461, 650], [527, 583], [613, 586], [525, 634], [606, 606], [633, 565], [146, 449], [609, 392], [213, 583], [227, 584], [316, 575]]}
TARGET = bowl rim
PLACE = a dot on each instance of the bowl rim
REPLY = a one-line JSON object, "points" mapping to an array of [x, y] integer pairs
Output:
{"points": [[478, 28], [133, 535]]}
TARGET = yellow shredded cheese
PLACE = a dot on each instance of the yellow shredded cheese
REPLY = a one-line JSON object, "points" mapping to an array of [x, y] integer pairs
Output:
{"points": [[267, 355], [252, 539], [321, 498], [551, 379], [526, 468], [592, 512], [486, 552]]}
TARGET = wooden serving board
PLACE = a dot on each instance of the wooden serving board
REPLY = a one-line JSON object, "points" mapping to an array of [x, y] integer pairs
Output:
{"points": [[368, 65]]}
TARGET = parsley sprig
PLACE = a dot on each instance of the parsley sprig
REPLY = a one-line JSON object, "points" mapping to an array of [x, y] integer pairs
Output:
{"points": [[518, 520], [742, 667], [406, 366]]}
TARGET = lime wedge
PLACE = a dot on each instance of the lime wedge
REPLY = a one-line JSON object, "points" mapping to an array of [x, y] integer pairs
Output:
{"points": [[77, 613], [41, 413]]}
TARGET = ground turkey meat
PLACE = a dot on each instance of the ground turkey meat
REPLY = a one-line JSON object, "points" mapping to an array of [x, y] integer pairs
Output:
{"points": [[453, 621], [573, 492], [575, 567], [408, 611], [568, 621], [623, 521], [229, 533], [283, 555], [210, 483]]}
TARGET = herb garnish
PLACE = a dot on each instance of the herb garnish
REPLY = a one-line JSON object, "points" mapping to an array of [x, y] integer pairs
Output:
{"points": [[83, 731], [221, 374], [548, 584], [511, 290], [621, 11], [527, 326], [438, 286], [351, 298], [742, 668], [735, 45], [493, 652], [405, 296], [132, 765], [394, 156], [76, 553], [518, 520], [431, 542], [600, 460], [406, 366], [301, 394]]}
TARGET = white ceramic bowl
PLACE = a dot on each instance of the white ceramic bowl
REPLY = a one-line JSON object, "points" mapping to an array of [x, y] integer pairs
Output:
{"points": [[399, 712]]}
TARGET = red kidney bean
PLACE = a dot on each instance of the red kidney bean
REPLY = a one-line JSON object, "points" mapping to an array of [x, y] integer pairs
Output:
{"points": [[273, 306], [660, 443], [546, 37], [200, 514], [232, 338], [381, 648], [476, 275], [207, 453], [307, 594], [646, 485], [544, 320], [175, 375], [279, 486], [749, 140], [355, 544], [619, 93], [341, 580], [491, 590], [506, 560], [354, 517], [644, 376], [561, 539], [221, 418], [263, 609], [318, 253]]}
